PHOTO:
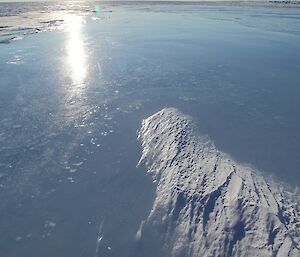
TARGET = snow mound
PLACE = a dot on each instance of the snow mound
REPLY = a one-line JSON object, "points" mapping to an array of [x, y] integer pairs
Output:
{"points": [[207, 204]]}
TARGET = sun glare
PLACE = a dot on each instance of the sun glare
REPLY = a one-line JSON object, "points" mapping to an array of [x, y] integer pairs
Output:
{"points": [[76, 51]]}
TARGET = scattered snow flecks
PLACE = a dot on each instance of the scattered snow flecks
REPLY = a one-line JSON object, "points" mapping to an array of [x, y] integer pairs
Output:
{"points": [[207, 204]]}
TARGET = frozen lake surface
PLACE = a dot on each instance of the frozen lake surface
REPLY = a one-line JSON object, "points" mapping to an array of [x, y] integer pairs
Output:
{"points": [[73, 98]]}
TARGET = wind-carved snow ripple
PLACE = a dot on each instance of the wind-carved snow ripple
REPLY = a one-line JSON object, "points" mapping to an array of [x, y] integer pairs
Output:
{"points": [[207, 204]]}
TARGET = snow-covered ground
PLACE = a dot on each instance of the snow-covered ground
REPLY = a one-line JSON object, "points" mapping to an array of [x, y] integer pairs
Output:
{"points": [[72, 99], [206, 203]]}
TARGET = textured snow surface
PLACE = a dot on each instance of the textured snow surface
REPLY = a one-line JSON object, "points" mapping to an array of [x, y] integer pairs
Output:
{"points": [[206, 203]]}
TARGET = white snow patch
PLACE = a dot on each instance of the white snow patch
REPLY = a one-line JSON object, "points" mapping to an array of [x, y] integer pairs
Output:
{"points": [[206, 203]]}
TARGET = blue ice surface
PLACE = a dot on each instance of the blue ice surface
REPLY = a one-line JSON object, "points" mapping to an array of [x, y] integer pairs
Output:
{"points": [[72, 100]]}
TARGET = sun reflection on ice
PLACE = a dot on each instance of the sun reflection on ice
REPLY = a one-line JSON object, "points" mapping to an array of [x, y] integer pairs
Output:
{"points": [[76, 50], [75, 66]]}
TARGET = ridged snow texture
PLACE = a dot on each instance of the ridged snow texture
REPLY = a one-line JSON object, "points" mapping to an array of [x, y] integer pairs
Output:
{"points": [[207, 204]]}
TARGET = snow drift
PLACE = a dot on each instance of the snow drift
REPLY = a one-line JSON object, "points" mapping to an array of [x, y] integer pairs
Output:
{"points": [[207, 204]]}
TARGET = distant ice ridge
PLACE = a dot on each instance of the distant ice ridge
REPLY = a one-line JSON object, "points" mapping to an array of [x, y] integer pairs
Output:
{"points": [[207, 204]]}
